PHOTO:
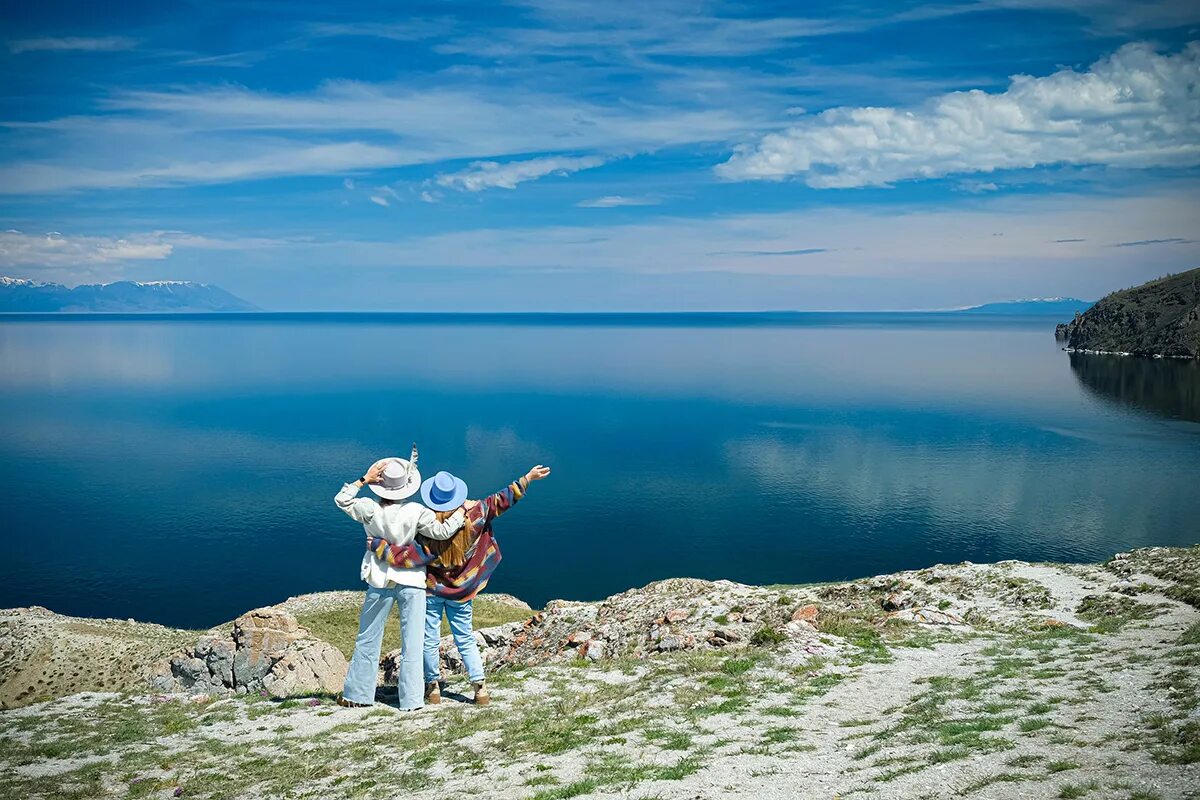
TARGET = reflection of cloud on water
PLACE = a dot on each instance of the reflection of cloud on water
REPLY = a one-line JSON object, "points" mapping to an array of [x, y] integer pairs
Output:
{"points": [[1015, 495], [936, 366], [500, 451], [105, 354]]}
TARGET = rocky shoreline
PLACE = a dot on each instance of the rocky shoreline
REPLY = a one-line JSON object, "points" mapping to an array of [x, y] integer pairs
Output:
{"points": [[997, 680], [1118, 353], [1160, 318]]}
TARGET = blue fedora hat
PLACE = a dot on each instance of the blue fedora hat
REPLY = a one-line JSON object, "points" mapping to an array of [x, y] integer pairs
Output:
{"points": [[443, 492]]}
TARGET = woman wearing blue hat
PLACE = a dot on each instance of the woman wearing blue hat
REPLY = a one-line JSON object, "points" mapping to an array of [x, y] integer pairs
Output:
{"points": [[457, 568]]}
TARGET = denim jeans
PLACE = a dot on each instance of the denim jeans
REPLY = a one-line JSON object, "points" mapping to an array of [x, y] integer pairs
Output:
{"points": [[458, 614], [364, 665]]}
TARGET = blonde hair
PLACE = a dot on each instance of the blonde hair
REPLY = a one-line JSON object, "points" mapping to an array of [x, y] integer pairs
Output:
{"points": [[450, 552]]}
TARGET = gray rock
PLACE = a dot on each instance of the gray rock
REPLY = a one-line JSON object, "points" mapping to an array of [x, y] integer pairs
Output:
{"points": [[260, 637], [728, 634], [267, 648], [668, 643], [309, 667]]}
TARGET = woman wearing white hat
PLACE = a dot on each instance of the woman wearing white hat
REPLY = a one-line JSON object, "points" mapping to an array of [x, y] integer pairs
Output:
{"points": [[392, 480]]}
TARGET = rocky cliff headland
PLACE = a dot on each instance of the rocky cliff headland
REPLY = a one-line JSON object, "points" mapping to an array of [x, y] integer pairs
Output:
{"points": [[970, 680], [1159, 318]]}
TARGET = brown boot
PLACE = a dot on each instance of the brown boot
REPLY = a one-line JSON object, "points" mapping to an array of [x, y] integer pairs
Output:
{"points": [[433, 693], [482, 698], [341, 701]]}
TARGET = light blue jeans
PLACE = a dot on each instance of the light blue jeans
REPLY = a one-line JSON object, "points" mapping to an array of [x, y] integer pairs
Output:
{"points": [[458, 614], [364, 665]]}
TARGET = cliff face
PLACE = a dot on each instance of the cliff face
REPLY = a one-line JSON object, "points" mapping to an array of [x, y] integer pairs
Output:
{"points": [[1159, 318]]}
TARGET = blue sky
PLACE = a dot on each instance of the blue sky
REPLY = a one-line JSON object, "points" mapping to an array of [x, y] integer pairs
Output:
{"points": [[570, 155]]}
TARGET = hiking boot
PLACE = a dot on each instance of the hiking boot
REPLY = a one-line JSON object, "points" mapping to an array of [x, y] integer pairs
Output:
{"points": [[433, 693], [482, 698], [344, 703]]}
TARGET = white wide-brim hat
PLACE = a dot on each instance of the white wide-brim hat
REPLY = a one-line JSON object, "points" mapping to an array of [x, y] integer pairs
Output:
{"points": [[400, 479]]}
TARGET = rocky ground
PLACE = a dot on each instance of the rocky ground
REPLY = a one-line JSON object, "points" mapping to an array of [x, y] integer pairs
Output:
{"points": [[987, 681]]}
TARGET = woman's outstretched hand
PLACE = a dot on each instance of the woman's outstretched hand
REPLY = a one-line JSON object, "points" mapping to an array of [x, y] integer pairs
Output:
{"points": [[537, 473]]}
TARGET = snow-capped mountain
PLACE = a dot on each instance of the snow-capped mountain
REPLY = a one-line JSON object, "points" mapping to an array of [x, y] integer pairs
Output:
{"points": [[20, 294], [1060, 306]]}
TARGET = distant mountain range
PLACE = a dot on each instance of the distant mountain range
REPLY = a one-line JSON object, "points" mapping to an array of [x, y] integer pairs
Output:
{"points": [[19, 294], [1056, 306]]}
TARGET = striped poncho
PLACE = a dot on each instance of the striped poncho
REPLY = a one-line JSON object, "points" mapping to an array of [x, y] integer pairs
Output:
{"points": [[483, 553]]}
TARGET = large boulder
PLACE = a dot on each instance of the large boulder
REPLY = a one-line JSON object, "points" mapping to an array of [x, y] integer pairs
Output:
{"points": [[309, 666], [266, 651], [261, 637]]}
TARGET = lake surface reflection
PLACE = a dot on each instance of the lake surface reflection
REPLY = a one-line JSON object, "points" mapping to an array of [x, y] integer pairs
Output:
{"points": [[182, 470]]}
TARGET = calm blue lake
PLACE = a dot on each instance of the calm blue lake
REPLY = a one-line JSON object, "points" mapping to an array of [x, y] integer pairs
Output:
{"points": [[182, 469]]}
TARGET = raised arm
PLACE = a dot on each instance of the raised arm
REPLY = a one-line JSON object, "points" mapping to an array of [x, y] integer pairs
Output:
{"points": [[360, 509], [496, 504]]}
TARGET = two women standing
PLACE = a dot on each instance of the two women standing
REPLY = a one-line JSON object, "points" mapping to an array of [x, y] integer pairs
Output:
{"points": [[426, 563]]}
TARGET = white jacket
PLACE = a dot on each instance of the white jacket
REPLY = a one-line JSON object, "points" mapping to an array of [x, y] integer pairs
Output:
{"points": [[398, 522]]}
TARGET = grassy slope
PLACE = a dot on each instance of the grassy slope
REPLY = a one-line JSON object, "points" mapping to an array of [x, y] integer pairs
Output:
{"points": [[56, 656], [1104, 711]]}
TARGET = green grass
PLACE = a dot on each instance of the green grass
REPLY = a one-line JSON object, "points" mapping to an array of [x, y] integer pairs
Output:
{"points": [[738, 666], [668, 739], [1110, 613], [339, 626], [858, 631], [585, 786], [689, 765], [1003, 777], [767, 636]]}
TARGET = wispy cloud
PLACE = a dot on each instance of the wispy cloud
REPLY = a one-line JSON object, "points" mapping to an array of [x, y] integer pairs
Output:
{"points": [[617, 200], [281, 159], [1145, 242], [804, 251], [72, 43], [483, 175], [864, 241], [57, 250], [380, 200], [412, 29], [1136, 108], [342, 126]]}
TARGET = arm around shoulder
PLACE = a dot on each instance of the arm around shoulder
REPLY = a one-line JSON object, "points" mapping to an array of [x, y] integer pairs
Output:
{"points": [[429, 527]]}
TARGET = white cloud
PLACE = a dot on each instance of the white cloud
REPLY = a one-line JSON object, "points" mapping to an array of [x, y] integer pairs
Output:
{"points": [[483, 175], [952, 244], [341, 126], [56, 250], [1136, 108], [69, 43], [348, 183], [269, 161], [616, 200], [380, 201]]}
